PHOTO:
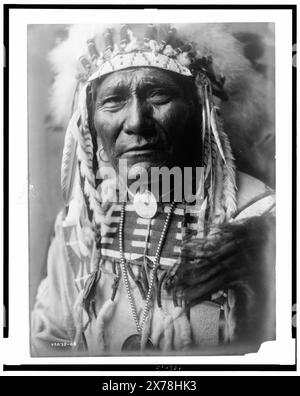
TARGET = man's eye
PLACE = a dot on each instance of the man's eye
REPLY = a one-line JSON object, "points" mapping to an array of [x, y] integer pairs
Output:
{"points": [[160, 97], [111, 100]]}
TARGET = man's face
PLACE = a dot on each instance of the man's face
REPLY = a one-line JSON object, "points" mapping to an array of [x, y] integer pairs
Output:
{"points": [[142, 116]]}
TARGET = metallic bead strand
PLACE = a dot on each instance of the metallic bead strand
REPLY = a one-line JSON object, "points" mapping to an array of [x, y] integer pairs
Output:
{"points": [[140, 326]]}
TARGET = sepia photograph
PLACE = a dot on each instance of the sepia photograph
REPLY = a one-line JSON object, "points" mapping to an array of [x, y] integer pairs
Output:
{"points": [[151, 188]]}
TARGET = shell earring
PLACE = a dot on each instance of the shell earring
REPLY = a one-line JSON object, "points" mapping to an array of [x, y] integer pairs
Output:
{"points": [[102, 155]]}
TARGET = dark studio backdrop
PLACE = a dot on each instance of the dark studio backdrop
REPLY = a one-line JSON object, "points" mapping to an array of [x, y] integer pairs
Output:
{"points": [[254, 149]]}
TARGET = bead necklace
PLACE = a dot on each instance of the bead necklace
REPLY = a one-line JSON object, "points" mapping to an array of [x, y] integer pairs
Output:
{"points": [[133, 342]]}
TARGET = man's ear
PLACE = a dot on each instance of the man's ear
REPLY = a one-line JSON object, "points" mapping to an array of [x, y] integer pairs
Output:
{"points": [[195, 107], [90, 103], [195, 130]]}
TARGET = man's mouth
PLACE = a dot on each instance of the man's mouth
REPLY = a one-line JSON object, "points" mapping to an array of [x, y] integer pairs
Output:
{"points": [[146, 149]]}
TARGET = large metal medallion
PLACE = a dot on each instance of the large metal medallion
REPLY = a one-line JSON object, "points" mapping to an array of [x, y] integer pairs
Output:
{"points": [[133, 343], [145, 204]]}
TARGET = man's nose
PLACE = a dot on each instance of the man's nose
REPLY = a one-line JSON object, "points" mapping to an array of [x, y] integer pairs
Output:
{"points": [[137, 117]]}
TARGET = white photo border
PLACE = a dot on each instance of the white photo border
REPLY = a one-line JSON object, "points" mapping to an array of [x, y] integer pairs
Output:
{"points": [[277, 353]]}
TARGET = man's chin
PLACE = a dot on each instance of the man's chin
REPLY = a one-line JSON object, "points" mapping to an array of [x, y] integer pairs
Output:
{"points": [[145, 160]]}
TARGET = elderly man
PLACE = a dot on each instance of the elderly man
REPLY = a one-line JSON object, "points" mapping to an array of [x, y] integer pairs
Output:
{"points": [[153, 272]]}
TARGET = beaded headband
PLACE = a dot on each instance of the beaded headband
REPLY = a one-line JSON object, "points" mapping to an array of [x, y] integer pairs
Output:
{"points": [[168, 52]]}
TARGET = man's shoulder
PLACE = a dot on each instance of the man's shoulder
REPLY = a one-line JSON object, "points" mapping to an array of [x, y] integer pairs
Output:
{"points": [[253, 196]]}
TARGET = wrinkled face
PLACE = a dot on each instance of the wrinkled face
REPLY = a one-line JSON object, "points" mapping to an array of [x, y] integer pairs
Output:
{"points": [[144, 115]]}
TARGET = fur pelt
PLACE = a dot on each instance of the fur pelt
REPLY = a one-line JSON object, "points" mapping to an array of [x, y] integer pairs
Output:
{"points": [[237, 258]]}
